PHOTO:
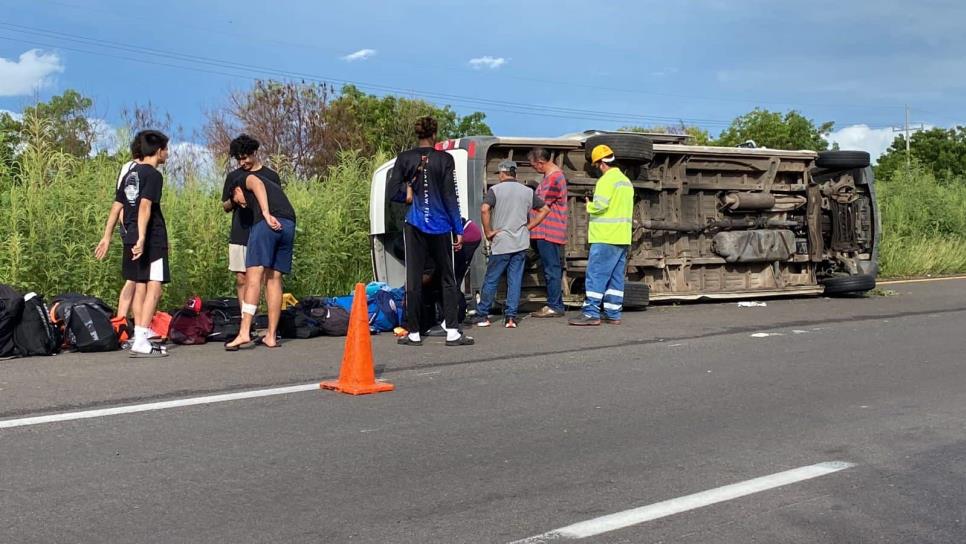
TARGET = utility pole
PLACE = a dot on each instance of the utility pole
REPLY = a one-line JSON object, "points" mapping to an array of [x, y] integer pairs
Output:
{"points": [[907, 130]]}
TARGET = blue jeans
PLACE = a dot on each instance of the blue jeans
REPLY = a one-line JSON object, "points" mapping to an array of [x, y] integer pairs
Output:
{"points": [[604, 284], [552, 273], [512, 264]]}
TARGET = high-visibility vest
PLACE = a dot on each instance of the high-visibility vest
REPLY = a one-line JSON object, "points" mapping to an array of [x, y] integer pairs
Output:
{"points": [[612, 210]]}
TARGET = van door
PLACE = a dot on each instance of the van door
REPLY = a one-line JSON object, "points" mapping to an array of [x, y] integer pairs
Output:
{"points": [[386, 220]]}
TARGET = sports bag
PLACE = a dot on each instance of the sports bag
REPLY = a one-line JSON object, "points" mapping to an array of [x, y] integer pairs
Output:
{"points": [[88, 328], [333, 320], [225, 317], [190, 328], [35, 334], [11, 310]]}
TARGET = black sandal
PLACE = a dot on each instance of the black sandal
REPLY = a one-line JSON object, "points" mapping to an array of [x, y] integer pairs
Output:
{"points": [[463, 340], [407, 341]]}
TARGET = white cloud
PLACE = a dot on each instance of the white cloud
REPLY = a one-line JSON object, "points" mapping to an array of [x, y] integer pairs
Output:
{"points": [[487, 62], [16, 116], [863, 138], [362, 54], [190, 158], [30, 72], [105, 136]]}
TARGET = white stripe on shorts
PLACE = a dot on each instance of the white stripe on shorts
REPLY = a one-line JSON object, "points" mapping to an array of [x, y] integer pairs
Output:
{"points": [[157, 270]]}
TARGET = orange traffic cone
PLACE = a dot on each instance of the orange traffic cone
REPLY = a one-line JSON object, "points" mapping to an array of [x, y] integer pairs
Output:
{"points": [[357, 376]]}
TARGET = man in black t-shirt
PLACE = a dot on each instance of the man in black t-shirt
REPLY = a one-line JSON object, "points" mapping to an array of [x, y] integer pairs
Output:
{"points": [[145, 237], [271, 241], [241, 223]]}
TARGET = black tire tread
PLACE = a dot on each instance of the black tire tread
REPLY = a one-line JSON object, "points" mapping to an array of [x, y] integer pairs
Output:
{"points": [[843, 159], [838, 285], [637, 295], [627, 147]]}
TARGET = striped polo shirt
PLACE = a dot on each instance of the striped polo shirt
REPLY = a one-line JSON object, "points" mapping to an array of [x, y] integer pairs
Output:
{"points": [[553, 191]]}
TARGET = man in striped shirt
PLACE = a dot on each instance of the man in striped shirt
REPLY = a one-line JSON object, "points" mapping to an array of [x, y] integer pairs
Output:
{"points": [[551, 235]]}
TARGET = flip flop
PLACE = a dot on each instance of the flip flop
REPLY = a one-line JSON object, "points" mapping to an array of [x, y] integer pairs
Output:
{"points": [[246, 345], [260, 341], [155, 353]]}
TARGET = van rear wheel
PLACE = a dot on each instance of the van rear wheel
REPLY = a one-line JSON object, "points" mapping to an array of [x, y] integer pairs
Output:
{"points": [[842, 285]]}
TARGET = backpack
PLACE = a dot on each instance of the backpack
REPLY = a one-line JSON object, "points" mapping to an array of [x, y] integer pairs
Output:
{"points": [[35, 334], [64, 301], [88, 328], [190, 328], [225, 317], [123, 327], [333, 320], [11, 311]]}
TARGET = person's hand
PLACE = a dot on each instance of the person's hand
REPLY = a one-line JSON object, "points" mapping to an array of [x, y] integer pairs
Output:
{"points": [[101, 250], [492, 234], [272, 222], [458, 244], [238, 197], [137, 250]]}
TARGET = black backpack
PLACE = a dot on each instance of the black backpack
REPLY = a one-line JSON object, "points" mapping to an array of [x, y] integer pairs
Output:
{"points": [[333, 320], [36, 335], [65, 301], [11, 311], [225, 317], [89, 328]]}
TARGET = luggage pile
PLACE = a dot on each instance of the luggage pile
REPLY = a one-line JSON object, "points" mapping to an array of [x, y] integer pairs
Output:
{"points": [[29, 326]]}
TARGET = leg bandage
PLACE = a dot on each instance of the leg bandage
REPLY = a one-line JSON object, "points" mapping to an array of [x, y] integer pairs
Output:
{"points": [[249, 309]]}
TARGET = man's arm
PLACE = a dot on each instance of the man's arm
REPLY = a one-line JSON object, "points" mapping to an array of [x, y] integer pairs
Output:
{"points": [[603, 192], [450, 195], [101, 250], [257, 188], [487, 231], [394, 185], [226, 195], [144, 216], [542, 214]]}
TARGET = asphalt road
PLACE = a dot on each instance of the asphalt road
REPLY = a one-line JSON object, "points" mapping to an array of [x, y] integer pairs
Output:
{"points": [[530, 431]]}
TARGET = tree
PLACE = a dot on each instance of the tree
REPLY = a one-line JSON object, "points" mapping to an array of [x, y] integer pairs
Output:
{"points": [[698, 135], [288, 118], [777, 131], [941, 151], [68, 120], [387, 122]]}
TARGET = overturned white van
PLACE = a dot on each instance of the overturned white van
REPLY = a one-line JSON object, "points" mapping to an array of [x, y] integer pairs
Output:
{"points": [[709, 222]]}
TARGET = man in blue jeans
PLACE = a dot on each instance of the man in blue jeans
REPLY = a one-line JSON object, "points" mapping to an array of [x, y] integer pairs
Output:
{"points": [[507, 225]]}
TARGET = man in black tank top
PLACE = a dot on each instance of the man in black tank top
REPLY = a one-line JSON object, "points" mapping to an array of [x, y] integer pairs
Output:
{"points": [[271, 241]]}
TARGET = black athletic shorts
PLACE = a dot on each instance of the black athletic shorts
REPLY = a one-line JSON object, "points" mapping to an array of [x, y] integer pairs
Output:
{"points": [[152, 266]]}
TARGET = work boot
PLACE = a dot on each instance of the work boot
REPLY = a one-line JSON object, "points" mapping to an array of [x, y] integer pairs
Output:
{"points": [[611, 321], [584, 321], [546, 311]]}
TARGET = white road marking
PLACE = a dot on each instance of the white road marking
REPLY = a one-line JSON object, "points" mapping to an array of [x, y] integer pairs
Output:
{"points": [[670, 507], [921, 280], [134, 408]]}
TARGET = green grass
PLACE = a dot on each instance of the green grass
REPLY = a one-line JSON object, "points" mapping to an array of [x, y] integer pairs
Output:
{"points": [[53, 208], [923, 225]]}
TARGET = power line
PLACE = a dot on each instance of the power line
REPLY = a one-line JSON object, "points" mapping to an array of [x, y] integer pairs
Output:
{"points": [[570, 83], [492, 104]]}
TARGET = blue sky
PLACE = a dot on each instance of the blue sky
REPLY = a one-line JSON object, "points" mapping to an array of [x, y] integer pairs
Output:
{"points": [[542, 67]]}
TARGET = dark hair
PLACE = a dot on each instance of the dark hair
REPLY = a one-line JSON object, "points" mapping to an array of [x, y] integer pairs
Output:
{"points": [[426, 127], [243, 146], [538, 154], [148, 142], [136, 149]]}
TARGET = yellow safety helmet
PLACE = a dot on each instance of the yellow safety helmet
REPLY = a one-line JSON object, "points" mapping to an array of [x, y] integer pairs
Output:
{"points": [[600, 152]]}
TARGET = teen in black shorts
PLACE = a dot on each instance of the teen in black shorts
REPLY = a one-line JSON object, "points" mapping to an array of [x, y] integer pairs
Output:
{"points": [[145, 259]]}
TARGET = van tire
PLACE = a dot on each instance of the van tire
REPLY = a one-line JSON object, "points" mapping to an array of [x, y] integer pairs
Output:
{"points": [[637, 296], [840, 285], [627, 147], [843, 160]]}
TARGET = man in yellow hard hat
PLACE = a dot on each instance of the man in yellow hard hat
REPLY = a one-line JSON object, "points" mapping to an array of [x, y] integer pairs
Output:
{"points": [[611, 222]]}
